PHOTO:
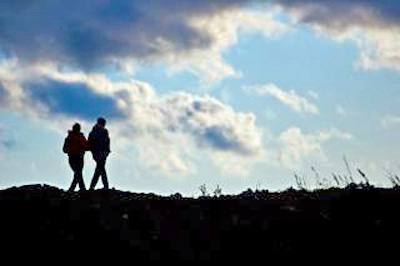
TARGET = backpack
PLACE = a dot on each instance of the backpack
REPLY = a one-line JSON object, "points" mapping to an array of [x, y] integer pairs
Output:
{"points": [[66, 145]]}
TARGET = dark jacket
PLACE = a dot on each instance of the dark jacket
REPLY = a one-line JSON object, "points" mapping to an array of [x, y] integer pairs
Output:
{"points": [[99, 142], [75, 144]]}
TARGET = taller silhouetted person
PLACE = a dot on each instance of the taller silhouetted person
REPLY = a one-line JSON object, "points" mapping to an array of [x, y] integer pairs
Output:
{"points": [[99, 143], [75, 145]]}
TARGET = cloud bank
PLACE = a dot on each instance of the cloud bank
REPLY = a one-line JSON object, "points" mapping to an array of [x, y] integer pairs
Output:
{"points": [[185, 35], [156, 125], [372, 25]]}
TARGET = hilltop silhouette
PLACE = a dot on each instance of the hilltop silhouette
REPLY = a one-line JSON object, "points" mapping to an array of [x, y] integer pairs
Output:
{"points": [[259, 224]]}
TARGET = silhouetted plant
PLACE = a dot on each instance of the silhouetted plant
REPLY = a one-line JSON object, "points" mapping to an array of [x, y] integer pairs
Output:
{"points": [[345, 180], [317, 177], [394, 179], [363, 175], [323, 183], [217, 191], [348, 169], [203, 190], [336, 179], [300, 182]]}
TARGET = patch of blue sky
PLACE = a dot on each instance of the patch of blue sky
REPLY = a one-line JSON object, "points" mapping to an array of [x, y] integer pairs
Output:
{"points": [[295, 62], [35, 146], [297, 58], [301, 61]]}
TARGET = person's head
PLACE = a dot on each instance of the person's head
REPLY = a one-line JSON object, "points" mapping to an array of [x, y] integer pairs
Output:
{"points": [[76, 128], [101, 121]]}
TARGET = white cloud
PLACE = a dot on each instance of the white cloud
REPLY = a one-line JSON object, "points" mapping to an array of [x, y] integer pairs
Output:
{"points": [[291, 99], [172, 157], [297, 147], [338, 134], [313, 94], [238, 166], [224, 29]]}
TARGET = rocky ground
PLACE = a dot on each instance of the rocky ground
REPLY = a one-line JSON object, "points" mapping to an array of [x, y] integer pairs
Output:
{"points": [[255, 224]]}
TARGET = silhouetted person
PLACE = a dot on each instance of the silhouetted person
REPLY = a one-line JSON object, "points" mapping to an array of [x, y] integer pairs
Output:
{"points": [[99, 143], [75, 145]]}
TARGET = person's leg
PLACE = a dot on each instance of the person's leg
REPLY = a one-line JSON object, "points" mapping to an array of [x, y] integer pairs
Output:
{"points": [[104, 174], [96, 175], [80, 175], [73, 164], [73, 184], [81, 182]]}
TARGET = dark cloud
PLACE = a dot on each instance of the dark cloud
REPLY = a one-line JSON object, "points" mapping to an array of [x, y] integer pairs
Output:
{"points": [[220, 138], [91, 33], [87, 33], [343, 12], [73, 100]]}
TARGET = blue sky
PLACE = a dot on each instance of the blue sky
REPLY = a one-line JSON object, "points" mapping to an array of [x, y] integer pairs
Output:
{"points": [[236, 94]]}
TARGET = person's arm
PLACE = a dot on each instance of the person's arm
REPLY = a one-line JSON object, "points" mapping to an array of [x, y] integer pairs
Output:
{"points": [[108, 143], [65, 146], [85, 143]]}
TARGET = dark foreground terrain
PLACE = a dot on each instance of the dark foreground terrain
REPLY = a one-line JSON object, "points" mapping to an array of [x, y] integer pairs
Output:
{"points": [[255, 224]]}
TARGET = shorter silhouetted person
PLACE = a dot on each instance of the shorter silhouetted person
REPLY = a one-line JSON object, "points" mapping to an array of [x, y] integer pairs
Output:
{"points": [[99, 143], [75, 145]]}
